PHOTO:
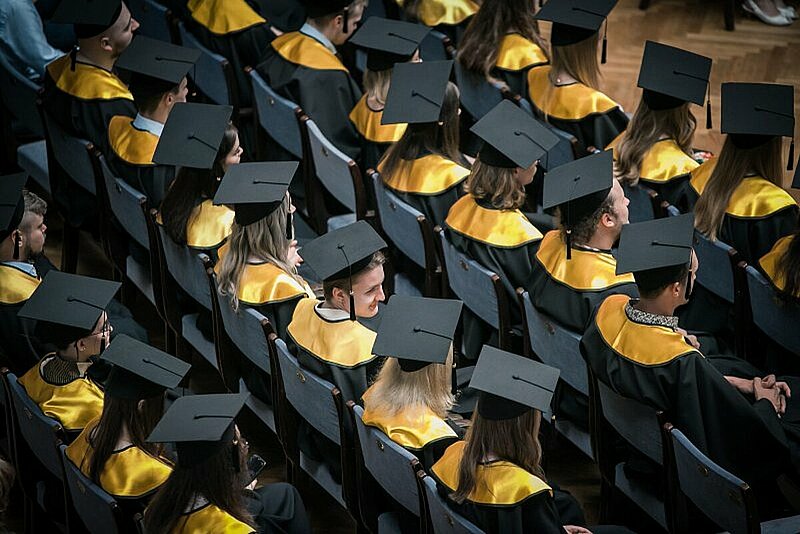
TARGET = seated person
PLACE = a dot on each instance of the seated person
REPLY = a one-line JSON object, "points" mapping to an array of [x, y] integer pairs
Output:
{"points": [[412, 394], [502, 43], [566, 93], [386, 42], [450, 17], [303, 66], [25, 45], [113, 450], [637, 348], [187, 212], [158, 81], [257, 267], [425, 168], [487, 223], [210, 489], [70, 314], [494, 477], [656, 149], [575, 269]]}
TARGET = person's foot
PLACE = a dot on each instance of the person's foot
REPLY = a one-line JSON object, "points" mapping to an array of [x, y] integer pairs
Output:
{"points": [[766, 11], [787, 11]]}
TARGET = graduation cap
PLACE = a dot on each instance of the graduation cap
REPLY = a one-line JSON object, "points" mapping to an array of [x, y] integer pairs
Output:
{"points": [[67, 306], [656, 244], [256, 190], [157, 66], [141, 371], [576, 20], [342, 253], [510, 384], [12, 206], [192, 135], [416, 94], [90, 17], [417, 331], [512, 138], [579, 187], [319, 8], [754, 113], [199, 425], [388, 41], [671, 76]]}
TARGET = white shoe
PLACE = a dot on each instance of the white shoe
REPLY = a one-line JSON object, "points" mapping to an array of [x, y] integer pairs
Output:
{"points": [[789, 12], [777, 20]]}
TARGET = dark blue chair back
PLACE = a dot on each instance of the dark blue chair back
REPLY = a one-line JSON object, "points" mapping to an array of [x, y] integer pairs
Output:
{"points": [[71, 153], [97, 509], [443, 519], [186, 268], [478, 95], [777, 319], [126, 205], [153, 19], [212, 74], [19, 96], [716, 266], [400, 221], [277, 116], [333, 167]]}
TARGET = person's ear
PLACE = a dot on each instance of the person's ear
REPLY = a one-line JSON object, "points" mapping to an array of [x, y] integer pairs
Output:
{"points": [[676, 289], [105, 44], [140, 405], [338, 294]]}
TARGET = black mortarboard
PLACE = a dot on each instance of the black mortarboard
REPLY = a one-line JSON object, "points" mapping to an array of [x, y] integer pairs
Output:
{"points": [[192, 135], [157, 66], [417, 331], [320, 8], [67, 306], [510, 385], [343, 253], [388, 41], [12, 205], [199, 425], [656, 244], [416, 94], [511, 137], [90, 17], [579, 187], [255, 189], [575, 20], [141, 371], [671, 76]]}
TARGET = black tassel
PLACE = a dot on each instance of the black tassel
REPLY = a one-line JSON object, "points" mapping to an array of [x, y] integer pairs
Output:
{"points": [[790, 164], [569, 244], [604, 55], [352, 306], [289, 227], [17, 241], [708, 114], [73, 57]]}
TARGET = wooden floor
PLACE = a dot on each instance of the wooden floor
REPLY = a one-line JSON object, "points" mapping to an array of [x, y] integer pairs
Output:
{"points": [[754, 52]]}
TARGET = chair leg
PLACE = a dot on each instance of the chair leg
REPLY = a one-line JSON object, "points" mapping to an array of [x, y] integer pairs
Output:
{"points": [[730, 12], [606, 496], [644, 4], [69, 249]]}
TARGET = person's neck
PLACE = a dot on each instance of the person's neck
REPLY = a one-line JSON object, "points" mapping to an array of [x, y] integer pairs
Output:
{"points": [[159, 114], [98, 58], [124, 439], [657, 306], [326, 31], [561, 77], [601, 240]]}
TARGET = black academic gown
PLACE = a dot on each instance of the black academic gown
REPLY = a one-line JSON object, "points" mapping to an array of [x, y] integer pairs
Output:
{"points": [[18, 351], [503, 241], [515, 57], [301, 69], [592, 117], [430, 183], [131, 158], [82, 102], [656, 366], [375, 137], [234, 30]]}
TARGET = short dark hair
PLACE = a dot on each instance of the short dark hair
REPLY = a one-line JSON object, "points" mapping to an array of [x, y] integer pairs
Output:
{"points": [[583, 230], [653, 281], [147, 102], [34, 203]]}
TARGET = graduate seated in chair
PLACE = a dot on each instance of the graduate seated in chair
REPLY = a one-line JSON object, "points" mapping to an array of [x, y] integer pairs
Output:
{"points": [[303, 66], [502, 43], [158, 82], [636, 348], [327, 336], [412, 394], [655, 151], [566, 93], [211, 488], [425, 168], [387, 42], [494, 477], [70, 314], [487, 224], [112, 450]]}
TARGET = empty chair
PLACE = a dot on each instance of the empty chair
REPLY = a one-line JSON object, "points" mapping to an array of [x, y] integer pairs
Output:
{"points": [[212, 74], [442, 519], [560, 348], [153, 18], [277, 116], [720, 495], [97, 509]]}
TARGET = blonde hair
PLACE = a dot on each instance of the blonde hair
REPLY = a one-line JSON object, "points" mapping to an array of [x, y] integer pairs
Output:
{"points": [[497, 184], [645, 129], [579, 60], [264, 240], [732, 166], [376, 84], [396, 390]]}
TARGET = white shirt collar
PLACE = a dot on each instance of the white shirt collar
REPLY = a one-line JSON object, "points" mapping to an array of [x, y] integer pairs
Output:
{"points": [[148, 125], [311, 31], [331, 314]]}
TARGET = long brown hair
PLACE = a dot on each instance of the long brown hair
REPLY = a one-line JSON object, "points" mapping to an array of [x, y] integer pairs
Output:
{"points": [[264, 240], [217, 479], [118, 415], [376, 84], [732, 166], [512, 440], [788, 268], [493, 21], [646, 128], [428, 137], [498, 185], [579, 60]]}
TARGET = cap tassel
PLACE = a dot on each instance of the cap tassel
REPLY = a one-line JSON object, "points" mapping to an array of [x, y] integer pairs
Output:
{"points": [[604, 55], [73, 57], [569, 244], [790, 164], [708, 108], [289, 227], [352, 305], [17, 242]]}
